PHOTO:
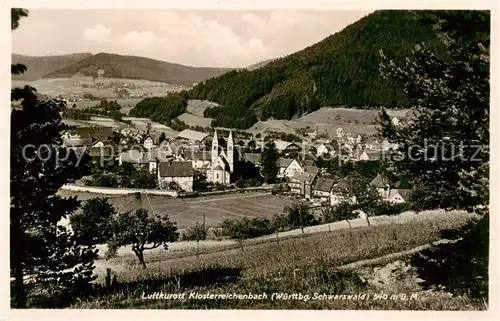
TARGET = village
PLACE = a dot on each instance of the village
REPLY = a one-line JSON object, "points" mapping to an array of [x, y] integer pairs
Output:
{"points": [[225, 162]]}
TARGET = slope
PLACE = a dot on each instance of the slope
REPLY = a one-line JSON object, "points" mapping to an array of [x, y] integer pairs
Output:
{"points": [[39, 66], [133, 67], [341, 70]]}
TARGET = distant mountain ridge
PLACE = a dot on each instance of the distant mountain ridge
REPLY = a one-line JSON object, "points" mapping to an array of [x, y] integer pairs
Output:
{"points": [[39, 66], [114, 66], [133, 67]]}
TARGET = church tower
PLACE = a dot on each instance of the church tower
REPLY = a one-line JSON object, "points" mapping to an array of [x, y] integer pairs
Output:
{"points": [[230, 151], [215, 148]]}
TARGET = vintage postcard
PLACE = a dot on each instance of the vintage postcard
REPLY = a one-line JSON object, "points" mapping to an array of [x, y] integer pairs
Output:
{"points": [[257, 158]]}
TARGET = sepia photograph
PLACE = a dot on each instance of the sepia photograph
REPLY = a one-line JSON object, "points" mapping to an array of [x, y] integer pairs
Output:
{"points": [[234, 159]]}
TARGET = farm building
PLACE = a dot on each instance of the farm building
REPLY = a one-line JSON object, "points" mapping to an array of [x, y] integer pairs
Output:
{"points": [[192, 136], [301, 184], [323, 187], [201, 159], [398, 195], [180, 173]]}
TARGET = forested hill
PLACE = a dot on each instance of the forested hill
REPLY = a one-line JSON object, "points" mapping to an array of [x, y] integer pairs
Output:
{"points": [[133, 67], [42, 65], [341, 70]]}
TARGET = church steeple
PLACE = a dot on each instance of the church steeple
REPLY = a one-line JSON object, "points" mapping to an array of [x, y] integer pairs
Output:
{"points": [[230, 151], [215, 147]]}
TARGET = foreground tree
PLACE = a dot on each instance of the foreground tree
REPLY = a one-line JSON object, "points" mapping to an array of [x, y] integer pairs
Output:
{"points": [[298, 215], [43, 254], [447, 135], [92, 225], [142, 232], [197, 232], [343, 211], [269, 162], [356, 191], [451, 113], [279, 223]]}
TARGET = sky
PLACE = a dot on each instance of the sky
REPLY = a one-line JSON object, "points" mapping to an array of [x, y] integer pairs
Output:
{"points": [[195, 38]]}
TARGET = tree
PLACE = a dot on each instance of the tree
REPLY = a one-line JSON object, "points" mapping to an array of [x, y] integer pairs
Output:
{"points": [[450, 120], [40, 249], [92, 225], [269, 162], [452, 110], [279, 223], [142, 232], [144, 179], [162, 137], [196, 233], [298, 215], [356, 190], [339, 212]]}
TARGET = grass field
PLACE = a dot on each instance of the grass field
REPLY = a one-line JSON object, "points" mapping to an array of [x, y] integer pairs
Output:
{"points": [[356, 121], [306, 265], [193, 120], [197, 107], [186, 212]]}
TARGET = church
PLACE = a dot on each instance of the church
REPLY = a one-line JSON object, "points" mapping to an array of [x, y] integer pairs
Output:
{"points": [[222, 169]]}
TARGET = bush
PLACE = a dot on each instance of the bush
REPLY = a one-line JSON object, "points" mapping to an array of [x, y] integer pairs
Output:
{"points": [[390, 209], [245, 228]]}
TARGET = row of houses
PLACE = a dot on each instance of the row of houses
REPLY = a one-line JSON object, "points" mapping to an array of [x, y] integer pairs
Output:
{"points": [[310, 186]]}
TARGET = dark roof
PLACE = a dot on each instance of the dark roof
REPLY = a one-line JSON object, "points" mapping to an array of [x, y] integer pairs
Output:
{"points": [[324, 184], [284, 162], [75, 142], [218, 168], [307, 162], [303, 177], [175, 169], [381, 181], [311, 169]]}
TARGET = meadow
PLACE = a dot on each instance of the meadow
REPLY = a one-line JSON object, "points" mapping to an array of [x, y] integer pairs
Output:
{"points": [[305, 264], [187, 212]]}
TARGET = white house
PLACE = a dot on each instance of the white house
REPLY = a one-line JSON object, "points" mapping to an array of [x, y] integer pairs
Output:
{"points": [[201, 160], [292, 168], [148, 143], [324, 149], [178, 172], [395, 121], [398, 195]]}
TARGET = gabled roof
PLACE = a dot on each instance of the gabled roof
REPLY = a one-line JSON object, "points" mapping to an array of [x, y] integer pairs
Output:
{"points": [[311, 169], [133, 156], [303, 177], [218, 168], [381, 181], [404, 193], [324, 184], [284, 162], [175, 169]]}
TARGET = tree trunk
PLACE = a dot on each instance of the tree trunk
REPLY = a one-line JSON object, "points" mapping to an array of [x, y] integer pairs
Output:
{"points": [[277, 238], [140, 256], [18, 258], [198, 249], [368, 220], [349, 222], [329, 229], [241, 244]]}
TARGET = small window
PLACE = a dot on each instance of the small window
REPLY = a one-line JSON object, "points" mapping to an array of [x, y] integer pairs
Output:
{"points": [[217, 176]]}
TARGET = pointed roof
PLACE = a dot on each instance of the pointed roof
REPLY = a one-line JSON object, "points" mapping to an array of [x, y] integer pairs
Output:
{"points": [[230, 138], [381, 181], [215, 139]]}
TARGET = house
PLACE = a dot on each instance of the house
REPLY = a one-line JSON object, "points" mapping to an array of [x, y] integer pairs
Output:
{"points": [[283, 163], [180, 173], [339, 132], [323, 187], [325, 149], [311, 169], [383, 184], [395, 121], [148, 143], [398, 196], [77, 142], [292, 168], [135, 157], [286, 147], [102, 143], [369, 156], [201, 159], [192, 136], [301, 184]]}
